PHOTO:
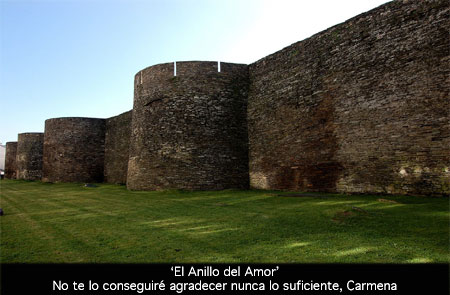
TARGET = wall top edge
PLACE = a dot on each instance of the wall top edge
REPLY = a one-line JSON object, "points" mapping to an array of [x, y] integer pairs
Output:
{"points": [[355, 19], [30, 133], [121, 114], [193, 63], [75, 119]]}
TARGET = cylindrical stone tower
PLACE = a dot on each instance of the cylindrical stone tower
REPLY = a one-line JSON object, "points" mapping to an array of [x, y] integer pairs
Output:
{"points": [[10, 160], [74, 150], [29, 156], [189, 131]]}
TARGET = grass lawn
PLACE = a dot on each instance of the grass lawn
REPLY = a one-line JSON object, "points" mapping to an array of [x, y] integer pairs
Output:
{"points": [[71, 223]]}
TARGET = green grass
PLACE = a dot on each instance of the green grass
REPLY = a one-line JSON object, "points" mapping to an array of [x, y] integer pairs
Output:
{"points": [[71, 223]]}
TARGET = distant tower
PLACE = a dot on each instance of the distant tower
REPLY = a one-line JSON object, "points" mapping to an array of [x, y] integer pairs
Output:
{"points": [[10, 160], [74, 150], [29, 156]]}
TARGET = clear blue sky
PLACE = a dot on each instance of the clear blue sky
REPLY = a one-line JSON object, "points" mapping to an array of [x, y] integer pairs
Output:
{"points": [[78, 58]]}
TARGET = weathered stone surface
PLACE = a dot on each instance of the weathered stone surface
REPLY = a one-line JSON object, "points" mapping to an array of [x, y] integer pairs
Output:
{"points": [[29, 156], [74, 150], [10, 160], [117, 145], [360, 107], [189, 131]]}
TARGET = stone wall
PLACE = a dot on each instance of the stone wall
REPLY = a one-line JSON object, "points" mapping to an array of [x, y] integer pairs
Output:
{"points": [[117, 144], [74, 150], [360, 107], [189, 131], [10, 160], [29, 156]]}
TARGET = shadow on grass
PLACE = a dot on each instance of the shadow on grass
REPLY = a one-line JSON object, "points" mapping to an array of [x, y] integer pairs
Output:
{"points": [[68, 223]]}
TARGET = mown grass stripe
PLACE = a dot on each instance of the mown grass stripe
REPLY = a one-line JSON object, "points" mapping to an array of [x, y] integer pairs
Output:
{"points": [[70, 223]]}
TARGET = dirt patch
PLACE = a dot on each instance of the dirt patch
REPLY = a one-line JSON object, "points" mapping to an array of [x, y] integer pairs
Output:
{"points": [[301, 195], [341, 216], [387, 201], [359, 209]]}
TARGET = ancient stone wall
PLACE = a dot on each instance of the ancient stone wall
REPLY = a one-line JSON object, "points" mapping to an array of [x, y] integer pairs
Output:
{"points": [[360, 107], [117, 144], [10, 160], [29, 156], [74, 150], [189, 131]]}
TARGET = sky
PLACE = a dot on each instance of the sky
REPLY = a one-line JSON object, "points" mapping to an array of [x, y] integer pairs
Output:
{"points": [[78, 58]]}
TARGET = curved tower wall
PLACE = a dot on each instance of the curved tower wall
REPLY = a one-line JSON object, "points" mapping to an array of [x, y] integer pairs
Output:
{"points": [[29, 156], [117, 145], [74, 150], [10, 160], [189, 131]]}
